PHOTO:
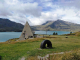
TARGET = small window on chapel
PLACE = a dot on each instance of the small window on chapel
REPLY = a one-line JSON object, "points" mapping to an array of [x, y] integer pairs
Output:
{"points": [[24, 31], [30, 36]]}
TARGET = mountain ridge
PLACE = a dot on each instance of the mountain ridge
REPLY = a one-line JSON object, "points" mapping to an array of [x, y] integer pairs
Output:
{"points": [[7, 25], [59, 25]]}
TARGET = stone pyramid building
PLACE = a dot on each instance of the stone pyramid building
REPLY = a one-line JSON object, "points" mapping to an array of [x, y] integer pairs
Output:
{"points": [[26, 33]]}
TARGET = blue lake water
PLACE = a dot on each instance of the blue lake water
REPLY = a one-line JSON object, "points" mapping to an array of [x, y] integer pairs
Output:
{"points": [[4, 36], [51, 32]]}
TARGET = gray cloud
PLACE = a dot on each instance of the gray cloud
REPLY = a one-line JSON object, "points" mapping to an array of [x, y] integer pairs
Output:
{"points": [[4, 11], [27, 9]]}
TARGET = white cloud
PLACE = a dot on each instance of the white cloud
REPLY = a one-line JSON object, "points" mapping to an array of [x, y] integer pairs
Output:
{"points": [[43, 18], [74, 3], [34, 20], [20, 19], [24, 8], [18, 11], [71, 15], [34, 11], [27, 9], [26, 1]]}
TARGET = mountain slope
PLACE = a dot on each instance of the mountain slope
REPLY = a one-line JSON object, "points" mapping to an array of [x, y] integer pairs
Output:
{"points": [[7, 25], [46, 22], [58, 25]]}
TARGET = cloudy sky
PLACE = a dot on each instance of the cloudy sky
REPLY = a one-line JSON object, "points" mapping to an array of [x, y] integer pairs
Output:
{"points": [[37, 12]]}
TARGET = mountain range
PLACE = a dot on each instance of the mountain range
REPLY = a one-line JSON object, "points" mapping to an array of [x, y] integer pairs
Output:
{"points": [[58, 25]]}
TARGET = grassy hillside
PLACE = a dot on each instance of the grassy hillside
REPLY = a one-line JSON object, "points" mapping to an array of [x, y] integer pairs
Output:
{"points": [[30, 49], [73, 34]]}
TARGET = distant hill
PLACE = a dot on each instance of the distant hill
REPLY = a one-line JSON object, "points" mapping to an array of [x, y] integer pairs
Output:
{"points": [[7, 25], [58, 25]]}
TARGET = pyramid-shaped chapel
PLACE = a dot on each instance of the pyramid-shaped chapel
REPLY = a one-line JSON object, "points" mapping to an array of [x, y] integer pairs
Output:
{"points": [[26, 33]]}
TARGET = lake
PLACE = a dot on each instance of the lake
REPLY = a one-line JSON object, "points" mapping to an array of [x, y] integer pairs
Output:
{"points": [[4, 36]]}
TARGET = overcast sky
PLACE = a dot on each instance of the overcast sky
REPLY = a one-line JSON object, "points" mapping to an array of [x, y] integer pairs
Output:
{"points": [[37, 12]]}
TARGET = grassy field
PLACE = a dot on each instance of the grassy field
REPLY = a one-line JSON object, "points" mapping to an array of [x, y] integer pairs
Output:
{"points": [[15, 50]]}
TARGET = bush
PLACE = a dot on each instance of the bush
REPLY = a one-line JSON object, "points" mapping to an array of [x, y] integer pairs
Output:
{"points": [[73, 56], [55, 33], [70, 32]]}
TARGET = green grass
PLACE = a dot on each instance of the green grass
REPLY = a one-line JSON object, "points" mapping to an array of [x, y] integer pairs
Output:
{"points": [[31, 47]]}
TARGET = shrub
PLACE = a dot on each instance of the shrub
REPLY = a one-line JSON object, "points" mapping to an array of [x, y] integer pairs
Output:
{"points": [[54, 33], [70, 32], [73, 56]]}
